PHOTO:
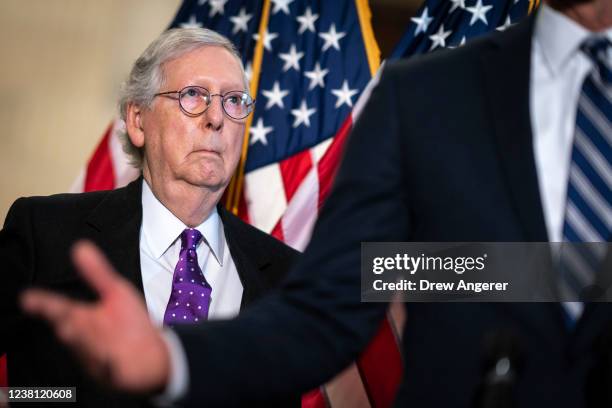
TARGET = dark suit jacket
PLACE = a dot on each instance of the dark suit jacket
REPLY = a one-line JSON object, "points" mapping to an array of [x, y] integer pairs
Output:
{"points": [[442, 152], [34, 251]]}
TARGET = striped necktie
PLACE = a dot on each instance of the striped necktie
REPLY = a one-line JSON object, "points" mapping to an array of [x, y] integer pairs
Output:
{"points": [[588, 213]]}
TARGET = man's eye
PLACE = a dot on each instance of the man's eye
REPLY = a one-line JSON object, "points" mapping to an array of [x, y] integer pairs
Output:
{"points": [[192, 92]]}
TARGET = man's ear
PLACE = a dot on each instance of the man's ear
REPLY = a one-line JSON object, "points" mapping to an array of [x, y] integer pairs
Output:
{"points": [[133, 124]]}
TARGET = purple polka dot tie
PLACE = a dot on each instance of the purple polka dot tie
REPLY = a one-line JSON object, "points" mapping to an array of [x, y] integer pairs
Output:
{"points": [[190, 297]]}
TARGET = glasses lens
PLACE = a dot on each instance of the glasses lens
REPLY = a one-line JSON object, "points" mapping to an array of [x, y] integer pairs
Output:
{"points": [[237, 104], [194, 100]]}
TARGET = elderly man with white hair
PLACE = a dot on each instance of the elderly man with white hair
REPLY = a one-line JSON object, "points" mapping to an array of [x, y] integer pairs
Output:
{"points": [[185, 105]]}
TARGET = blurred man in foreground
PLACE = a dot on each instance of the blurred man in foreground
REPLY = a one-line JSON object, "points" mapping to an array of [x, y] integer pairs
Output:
{"points": [[504, 140], [185, 106]]}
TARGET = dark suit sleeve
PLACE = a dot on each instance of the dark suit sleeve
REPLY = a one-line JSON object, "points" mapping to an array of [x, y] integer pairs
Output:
{"points": [[16, 258], [316, 324]]}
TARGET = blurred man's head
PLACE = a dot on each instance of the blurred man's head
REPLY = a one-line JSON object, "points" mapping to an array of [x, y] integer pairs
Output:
{"points": [[185, 104]]}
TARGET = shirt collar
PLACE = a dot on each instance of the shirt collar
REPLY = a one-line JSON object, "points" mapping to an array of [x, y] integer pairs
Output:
{"points": [[559, 37], [161, 228]]}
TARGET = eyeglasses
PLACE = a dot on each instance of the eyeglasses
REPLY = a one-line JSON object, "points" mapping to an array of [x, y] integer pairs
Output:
{"points": [[195, 100]]}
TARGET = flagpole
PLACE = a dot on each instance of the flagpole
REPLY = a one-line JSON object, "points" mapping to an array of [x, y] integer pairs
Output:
{"points": [[369, 40], [533, 4], [235, 187]]}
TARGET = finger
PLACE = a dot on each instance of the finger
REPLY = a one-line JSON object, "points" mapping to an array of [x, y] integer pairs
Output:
{"points": [[52, 307], [94, 267]]}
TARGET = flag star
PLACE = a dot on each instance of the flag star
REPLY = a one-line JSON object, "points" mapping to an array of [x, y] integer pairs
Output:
{"points": [[331, 38], [302, 115], [275, 96], [292, 59], [259, 133], [506, 24], [422, 22], [457, 4], [281, 5], [344, 95], [217, 6], [248, 71], [307, 21], [439, 39], [191, 23], [316, 76], [479, 12], [268, 37], [241, 21]]}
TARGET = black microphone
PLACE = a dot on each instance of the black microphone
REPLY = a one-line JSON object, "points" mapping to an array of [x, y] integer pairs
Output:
{"points": [[599, 378], [503, 355]]}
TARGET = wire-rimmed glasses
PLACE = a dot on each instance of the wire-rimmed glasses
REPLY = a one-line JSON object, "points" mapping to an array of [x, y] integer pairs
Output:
{"points": [[195, 100]]}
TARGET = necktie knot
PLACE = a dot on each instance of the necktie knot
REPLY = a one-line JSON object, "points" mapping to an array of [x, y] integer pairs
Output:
{"points": [[190, 238], [597, 49]]}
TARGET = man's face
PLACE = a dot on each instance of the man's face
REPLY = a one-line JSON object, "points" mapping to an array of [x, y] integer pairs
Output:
{"points": [[202, 151]]}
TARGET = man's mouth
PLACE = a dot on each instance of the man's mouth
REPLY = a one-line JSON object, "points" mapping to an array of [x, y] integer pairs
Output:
{"points": [[207, 151]]}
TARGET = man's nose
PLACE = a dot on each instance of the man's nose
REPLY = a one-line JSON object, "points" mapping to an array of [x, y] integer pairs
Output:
{"points": [[213, 117]]}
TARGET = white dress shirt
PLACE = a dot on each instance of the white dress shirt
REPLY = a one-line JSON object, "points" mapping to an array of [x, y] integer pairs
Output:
{"points": [[160, 245]]}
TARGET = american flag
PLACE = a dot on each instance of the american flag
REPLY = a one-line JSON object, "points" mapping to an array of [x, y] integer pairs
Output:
{"points": [[313, 68], [450, 23]]}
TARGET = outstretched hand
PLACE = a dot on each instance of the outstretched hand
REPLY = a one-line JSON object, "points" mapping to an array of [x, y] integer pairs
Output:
{"points": [[113, 337]]}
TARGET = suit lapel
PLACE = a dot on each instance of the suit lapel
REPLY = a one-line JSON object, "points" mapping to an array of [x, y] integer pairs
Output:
{"points": [[248, 259], [506, 67], [115, 226]]}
